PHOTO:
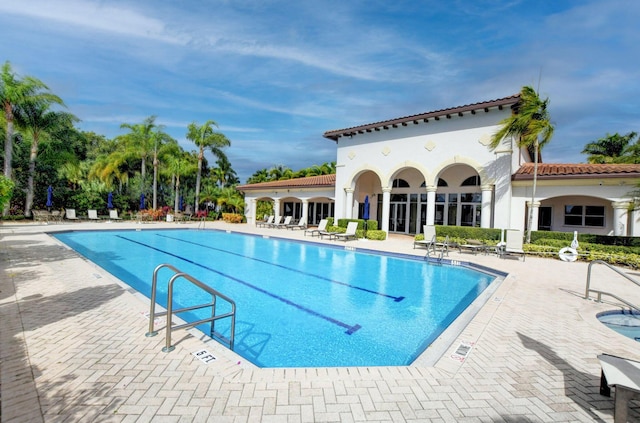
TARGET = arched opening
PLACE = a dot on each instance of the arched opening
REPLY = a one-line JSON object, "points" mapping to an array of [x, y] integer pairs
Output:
{"points": [[408, 202], [459, 197]]}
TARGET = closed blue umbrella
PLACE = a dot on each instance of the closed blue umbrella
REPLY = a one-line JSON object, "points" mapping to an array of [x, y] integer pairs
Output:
{"points": [[142, 201], [110, 201], [50, 196], [181, 206]]}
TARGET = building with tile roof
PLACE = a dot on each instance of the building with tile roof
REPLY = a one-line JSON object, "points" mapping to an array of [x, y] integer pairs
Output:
{"points": [[437, 168]]}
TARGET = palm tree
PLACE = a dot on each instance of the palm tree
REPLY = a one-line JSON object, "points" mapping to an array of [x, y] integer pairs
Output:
{"points": [[258, 176], [530, 124], [144, 141], [204, 137], [39, 123], [614, 148], [14, 92], [180, 165]]}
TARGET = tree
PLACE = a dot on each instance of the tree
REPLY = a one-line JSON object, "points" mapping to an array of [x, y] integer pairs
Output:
{"points": [[258, 176], [530, 124], [14, 92], [144, 141], [6, 190], [204, 137], [614, 148], [40, 123], [179, 166]]}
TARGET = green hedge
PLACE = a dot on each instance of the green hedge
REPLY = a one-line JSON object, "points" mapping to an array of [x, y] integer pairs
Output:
{"points": [[372, 225]]}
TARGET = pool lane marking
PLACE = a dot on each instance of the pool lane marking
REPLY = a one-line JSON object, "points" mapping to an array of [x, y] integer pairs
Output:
{"points": [[394, 298], [350, 328]]}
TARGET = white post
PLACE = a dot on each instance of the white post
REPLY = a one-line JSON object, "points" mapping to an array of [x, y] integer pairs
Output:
{"points": [[349, 203], [487, 198], [386, 204], [431, 205]]}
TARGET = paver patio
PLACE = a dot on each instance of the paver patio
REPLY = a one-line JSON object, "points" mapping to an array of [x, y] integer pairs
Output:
{"points": [[72, 348]]}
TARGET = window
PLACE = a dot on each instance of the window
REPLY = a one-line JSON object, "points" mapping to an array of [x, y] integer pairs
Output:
{"points": [[442, 183], [584, 216], [472, 181], [400, 183]]}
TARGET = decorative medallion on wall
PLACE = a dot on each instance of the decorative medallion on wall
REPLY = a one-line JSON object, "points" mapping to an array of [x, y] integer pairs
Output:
{"points": [[430, 145], [352, 155], [485, 140], [386, 151]]}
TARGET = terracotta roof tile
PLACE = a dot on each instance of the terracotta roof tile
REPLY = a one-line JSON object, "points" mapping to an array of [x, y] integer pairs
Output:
{"points": [[308, 182], [404, 121], [577, 170]]}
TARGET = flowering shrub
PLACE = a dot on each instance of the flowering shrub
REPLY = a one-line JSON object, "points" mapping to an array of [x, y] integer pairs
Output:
{"points": [[232, 217]]}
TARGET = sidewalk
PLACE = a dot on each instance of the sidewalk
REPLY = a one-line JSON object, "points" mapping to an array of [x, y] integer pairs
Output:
{"points": [[72, 348]]}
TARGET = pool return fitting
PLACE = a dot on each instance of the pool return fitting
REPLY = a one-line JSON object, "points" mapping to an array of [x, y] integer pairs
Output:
{"points": [[170, 327]]}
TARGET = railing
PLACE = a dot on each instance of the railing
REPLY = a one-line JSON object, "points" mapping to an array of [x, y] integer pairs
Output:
{"points": [[170, 311], [434, 245], [600, 293]]}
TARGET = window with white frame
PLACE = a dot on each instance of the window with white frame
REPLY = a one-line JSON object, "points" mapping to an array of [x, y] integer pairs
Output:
{"points": [[584, 216]]}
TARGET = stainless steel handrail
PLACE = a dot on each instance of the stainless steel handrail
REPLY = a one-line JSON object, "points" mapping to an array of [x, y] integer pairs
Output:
{"points": [[601, 293], [170, 311]]}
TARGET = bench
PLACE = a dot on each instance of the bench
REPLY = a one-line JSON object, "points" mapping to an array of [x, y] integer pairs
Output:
{"points": [[624, 375]]}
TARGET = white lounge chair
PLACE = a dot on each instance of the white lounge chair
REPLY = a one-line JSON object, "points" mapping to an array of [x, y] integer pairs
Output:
{"points": [[513, 243], [275, 222], [287, 221], [322, 227], [302, 224], [70, 214], [92, 215], [624, 375], [429, 240], [266, 222], [113, 215], [349, 234]]}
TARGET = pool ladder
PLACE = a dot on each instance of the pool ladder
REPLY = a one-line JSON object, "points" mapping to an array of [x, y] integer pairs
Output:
{"points": [[444, 248], [600, 293], [170, 327]]}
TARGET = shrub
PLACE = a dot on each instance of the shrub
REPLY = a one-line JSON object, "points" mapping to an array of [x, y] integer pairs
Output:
{"points": [[376, 235], [232, 217]]}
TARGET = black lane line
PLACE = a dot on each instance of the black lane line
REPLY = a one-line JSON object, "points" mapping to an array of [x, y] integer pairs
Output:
{"points": [[394, 298], [350, 328]]}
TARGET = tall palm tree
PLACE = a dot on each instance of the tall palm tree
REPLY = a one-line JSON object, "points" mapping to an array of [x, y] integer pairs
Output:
{"points": [[39, 123], [258, 176], [530, 124], [144, 141], [14, 92], [614, 148], [204, 136], [180, 165]]}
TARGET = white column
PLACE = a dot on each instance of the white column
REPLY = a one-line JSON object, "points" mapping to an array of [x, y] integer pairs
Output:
{"points": [[534, 214], [253, 203], [487, 198], [305, 210], [634, 230], [620, 209], [431, 205], [386, 204], [276, 207], [349, 204]]}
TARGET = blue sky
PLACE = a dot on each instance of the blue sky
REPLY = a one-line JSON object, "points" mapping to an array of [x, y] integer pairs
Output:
{"points": [[276, 75]]}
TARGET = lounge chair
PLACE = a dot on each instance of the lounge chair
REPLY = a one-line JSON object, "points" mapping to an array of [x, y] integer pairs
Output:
{"points": [[322, 227], [429, 240], [474, 246], [265, 223], [302, 224], [56, 216], [283, 225], [349, 234], [513, 243], [41, 216], [113, 215], [275, 222], [70, 214], [92, 215], [624, 375]]}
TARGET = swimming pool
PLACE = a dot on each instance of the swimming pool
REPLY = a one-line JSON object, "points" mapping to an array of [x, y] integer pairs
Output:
{"points": [[299, 304]]}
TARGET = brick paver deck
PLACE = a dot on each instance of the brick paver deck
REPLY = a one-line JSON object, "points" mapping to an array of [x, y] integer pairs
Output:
{"points": [[72, 348]]}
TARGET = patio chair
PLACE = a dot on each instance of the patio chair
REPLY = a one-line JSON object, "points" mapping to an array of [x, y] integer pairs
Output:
{"points": [[349, 234], [41, 216], [624, 375], [93, 215], [322, 227], [429, 240], [275, 222], [70, 214], [283, 225], [56, 216], [113, 215], [474, 246], [513, 243], [265, 223], [302, 224]]}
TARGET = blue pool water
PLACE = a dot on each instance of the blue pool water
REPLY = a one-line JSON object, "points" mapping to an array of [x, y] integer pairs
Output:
{"points": [[298, 304], [625, 322]]}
